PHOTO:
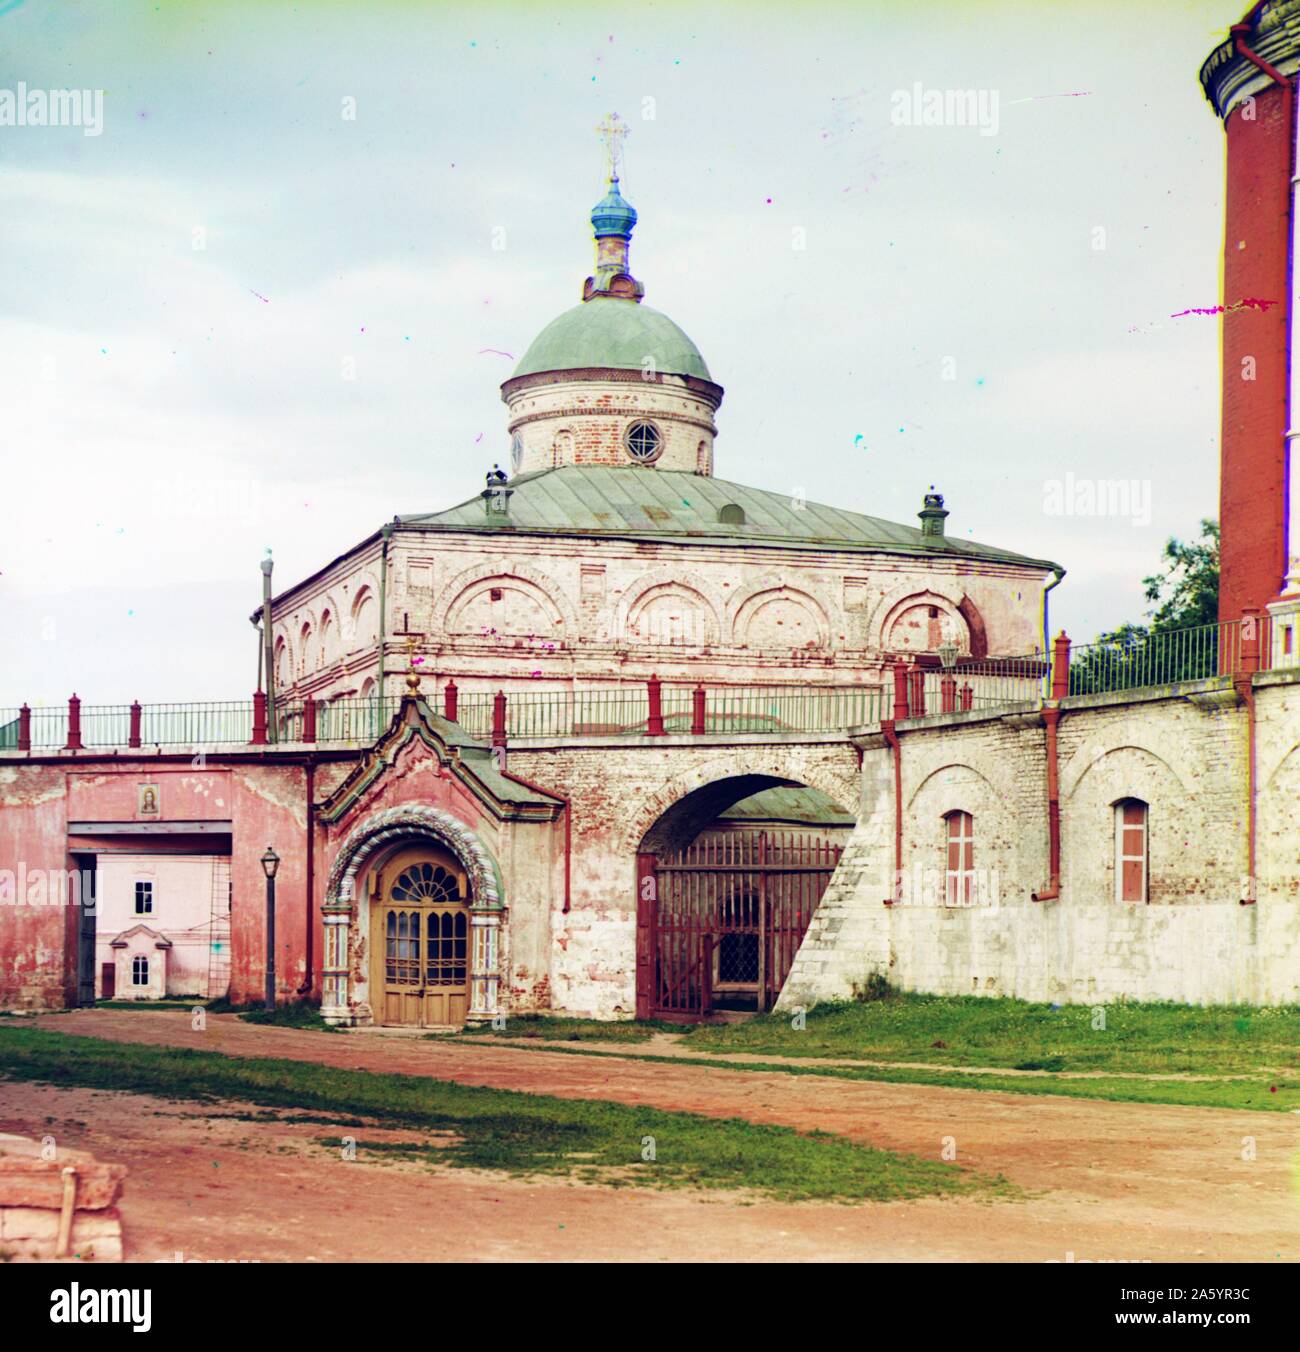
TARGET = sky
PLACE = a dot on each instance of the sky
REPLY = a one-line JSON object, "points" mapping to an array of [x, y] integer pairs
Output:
{"points": [[269, 304]]}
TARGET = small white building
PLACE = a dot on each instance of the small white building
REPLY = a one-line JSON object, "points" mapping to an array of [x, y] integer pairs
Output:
{"points": [[139, 968], [184, 902]]}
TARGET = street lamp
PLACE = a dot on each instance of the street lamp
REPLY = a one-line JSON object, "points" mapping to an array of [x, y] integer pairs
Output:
{"points": [[948, 653], [270, 862]]}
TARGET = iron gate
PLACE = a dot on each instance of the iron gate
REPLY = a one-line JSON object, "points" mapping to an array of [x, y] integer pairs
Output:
{"points": [[721, 921]]}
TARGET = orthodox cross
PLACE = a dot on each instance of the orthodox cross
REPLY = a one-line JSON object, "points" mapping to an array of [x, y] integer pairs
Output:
{"points": [[612, 130], [413, 676]]}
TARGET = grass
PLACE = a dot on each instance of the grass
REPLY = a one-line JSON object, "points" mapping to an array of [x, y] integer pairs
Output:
{"points": [[180, 1002], [1153, 1043], [295, 1014], [1136, 1037], [509, 1131], [1259, 1095], [553, 1028]]}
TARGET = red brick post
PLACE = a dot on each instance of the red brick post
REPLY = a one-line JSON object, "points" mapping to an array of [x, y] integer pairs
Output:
{"points": [[948, 694], [499, 719], [916, 679], [967, 696], [900, 692], [449, 702], [655, 722], [259, 719], [24, 729], [1061, 665], [74, 725], [1252, 622], [697, 711], [309, 719], [133, 736]]}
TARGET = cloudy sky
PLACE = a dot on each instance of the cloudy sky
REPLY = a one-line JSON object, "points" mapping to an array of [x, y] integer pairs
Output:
{"points": [[186, 294]]}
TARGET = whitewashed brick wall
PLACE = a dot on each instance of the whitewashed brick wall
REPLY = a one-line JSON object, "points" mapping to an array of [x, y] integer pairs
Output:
{"points": [[1184, 754]]}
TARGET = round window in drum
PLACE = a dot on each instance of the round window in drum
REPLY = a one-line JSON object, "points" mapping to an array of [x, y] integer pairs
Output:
{"points": [[644, 442]]}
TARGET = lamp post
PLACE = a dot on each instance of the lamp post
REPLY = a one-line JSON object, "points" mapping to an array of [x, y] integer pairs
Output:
{"points": [[270, 862], [948, 685]]}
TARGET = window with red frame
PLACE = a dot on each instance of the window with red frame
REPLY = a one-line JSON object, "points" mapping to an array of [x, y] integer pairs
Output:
{"points": [[1131, 850], [960, 889]]}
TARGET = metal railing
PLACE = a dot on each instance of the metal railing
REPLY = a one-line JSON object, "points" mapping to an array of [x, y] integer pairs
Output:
{"points": [[988, 684], [1134, 660], [216, 723], [625, 711], [340, 720], [1137, 659], [779, 709], [196, 724], [612, 711]]}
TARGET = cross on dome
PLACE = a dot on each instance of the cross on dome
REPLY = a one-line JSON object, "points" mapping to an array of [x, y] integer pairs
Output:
{"points": [[612, 130]]}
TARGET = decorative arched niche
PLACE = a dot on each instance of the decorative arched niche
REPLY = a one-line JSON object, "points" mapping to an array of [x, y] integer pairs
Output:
{"points": [[345, 997]]}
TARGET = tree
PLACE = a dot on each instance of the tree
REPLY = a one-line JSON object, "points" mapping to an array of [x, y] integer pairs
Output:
{"points": [[1187, 592], [1179, 642]]}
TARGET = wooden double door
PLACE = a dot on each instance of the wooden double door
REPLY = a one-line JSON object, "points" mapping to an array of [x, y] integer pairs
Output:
{"points": [[420, 940]]}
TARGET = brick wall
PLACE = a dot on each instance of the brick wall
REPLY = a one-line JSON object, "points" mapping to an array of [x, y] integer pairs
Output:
{"points": [[617, 793], [1183, 752]]}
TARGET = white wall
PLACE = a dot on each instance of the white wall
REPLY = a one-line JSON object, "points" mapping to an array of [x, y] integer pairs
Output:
{"points": [[182, 899], [1184, 752]]}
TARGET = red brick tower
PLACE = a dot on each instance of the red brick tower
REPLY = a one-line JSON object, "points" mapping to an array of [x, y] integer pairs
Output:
{"points": [[1250, 80]]}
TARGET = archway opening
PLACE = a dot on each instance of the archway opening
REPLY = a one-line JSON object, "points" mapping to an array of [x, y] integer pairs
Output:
{"points": [[728, 879]]}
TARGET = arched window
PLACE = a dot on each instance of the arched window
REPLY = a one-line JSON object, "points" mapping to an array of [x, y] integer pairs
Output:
{"points": [[959, 887], [325, 648], [139, 970], [1130, 850], [365, 619]]}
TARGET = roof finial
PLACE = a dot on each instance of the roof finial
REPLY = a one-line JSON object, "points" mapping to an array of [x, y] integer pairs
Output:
{"points": [[612, 220], [612, 129]]}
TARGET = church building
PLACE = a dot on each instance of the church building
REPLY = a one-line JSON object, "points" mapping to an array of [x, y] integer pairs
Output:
{"points": [[622, 738]]}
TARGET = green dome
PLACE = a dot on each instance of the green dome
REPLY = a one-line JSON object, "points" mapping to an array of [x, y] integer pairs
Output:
{"points": [[612, 332]]}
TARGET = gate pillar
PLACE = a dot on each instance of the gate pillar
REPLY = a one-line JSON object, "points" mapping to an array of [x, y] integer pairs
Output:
{"points": [[647, 901]]}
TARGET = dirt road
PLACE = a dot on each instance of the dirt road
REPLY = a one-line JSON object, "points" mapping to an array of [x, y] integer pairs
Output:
{"points": [[1108, 1181]]}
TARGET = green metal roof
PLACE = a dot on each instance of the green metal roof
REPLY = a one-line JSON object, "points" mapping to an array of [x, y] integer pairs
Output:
{"points": [[611, 332], [640, 503], [808, 806]]}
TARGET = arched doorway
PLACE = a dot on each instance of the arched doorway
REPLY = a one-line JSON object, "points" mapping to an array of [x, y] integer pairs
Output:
{"points": [[728, 880], [354, 980], [419, 938]]}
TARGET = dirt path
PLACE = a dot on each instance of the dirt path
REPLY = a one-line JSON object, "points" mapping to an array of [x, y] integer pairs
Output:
{"points": [[1116, 1181]]}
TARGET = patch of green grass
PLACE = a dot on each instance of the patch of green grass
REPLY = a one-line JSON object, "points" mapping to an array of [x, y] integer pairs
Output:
{"points": [[295, 1014], [1142, 1038], [198, 1002], [554, 1027], [518, 1133], [1258, 1094]]}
